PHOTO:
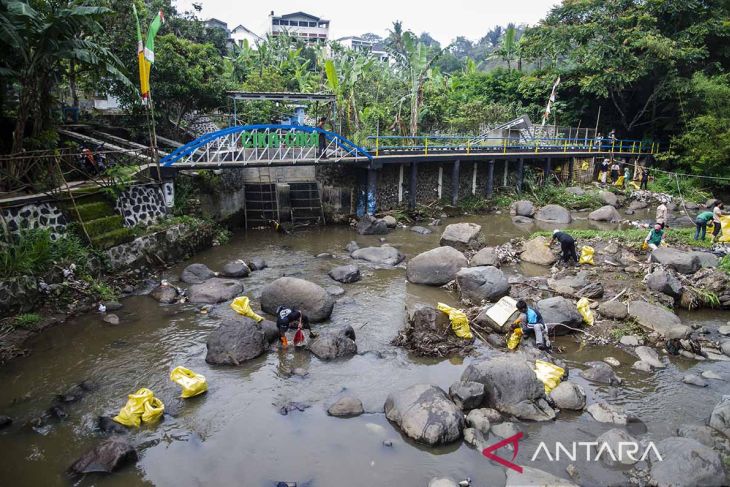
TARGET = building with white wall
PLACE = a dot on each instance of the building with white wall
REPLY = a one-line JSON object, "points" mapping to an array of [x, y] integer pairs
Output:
{"points": [[375, 48], [301, 25], [241, 33]]}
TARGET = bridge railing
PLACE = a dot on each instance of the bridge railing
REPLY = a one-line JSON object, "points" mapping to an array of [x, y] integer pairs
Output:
{"points": [[398, 144]]}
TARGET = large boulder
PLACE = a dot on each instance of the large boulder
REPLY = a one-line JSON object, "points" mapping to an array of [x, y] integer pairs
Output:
{"points": [[390, 221], [486, 256], [385, 255], [686, 463], [235, 268], [649, 356], [346, 407], [332, 344], [554, 214], [605, 214], [478, 284], [369, 225], [165, 294], [608, 413], [664, 282], [680, 261], [638, 205], [196, 273], [558, 311], [615, 310], [292, 292], [706, 259], [720, 417], [435, 267], [658, 319], [345, 273], [424, 413], [537, 251], [613, 439], [467, 395], [106, 457], [511, 387], [461, 236], [608, 198], [522, 208], [600, 372], [569, 395], [257, 264], [428, 333], [234, 342], [215, 290], [533, 477]]}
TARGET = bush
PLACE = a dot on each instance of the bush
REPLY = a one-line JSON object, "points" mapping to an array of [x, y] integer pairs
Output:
{"points": [[27, 321], [687, 188], [34, 252], [634, 236]]}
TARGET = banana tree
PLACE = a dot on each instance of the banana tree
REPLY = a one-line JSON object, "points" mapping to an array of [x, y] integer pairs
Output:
{"points": [[343, 76]]}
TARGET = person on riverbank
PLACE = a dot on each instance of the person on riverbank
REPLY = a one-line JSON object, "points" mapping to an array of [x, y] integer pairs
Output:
{"points": [[604, 172], [615, 168], [716, 222], [644, 178], [286, 317], [531, 321], [654, 239], [627, 176], [701, 224], [567, 246], [661, 214]]}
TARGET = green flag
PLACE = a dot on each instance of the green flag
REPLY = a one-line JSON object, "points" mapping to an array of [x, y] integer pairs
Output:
{"points": [[149, 48]]}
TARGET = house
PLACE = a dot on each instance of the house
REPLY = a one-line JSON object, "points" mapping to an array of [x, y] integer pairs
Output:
{"points": [[241, 33], [373, 47], [216, 24], [301, 25]]}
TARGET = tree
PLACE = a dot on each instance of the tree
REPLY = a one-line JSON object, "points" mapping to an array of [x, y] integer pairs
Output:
{"points": [[508, 49], [37, 43]]}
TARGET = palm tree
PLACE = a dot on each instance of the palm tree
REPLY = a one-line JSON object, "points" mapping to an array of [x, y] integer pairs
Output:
{"points": [[508, 49], [343, 75], [37, 44]]}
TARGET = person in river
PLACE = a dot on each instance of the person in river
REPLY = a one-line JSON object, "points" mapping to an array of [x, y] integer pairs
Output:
{"points": [[567, 246], [701, 224], [654, 239], [531, 321], [716, 222], [290, 318], [661, 214]]}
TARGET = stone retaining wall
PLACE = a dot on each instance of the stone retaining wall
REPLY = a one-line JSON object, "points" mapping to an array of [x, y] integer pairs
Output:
{"points": [[141, 205], [40, 214]]}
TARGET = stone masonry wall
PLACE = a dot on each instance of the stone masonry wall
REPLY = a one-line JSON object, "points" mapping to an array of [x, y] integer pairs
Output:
{"points": [[141, 205], [34, 215]]}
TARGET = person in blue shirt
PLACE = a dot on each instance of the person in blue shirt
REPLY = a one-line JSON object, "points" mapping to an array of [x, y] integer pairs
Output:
{"points": [[531, 321]]}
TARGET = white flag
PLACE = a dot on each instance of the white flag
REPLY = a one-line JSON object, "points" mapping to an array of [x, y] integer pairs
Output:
{"points": [[548, 109]]}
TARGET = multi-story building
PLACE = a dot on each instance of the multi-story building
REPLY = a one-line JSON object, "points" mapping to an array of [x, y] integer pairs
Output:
{"points": [[300, 25]]}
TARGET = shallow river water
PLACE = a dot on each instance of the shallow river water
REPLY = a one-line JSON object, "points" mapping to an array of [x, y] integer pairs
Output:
{"points": [[234, 434]]}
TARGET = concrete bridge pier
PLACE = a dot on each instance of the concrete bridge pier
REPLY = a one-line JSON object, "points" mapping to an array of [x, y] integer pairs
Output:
{"points": [[490, 179], [520, 174], [547, 168], [571, 166], [372, 191], [455, 182], [413, 186]]}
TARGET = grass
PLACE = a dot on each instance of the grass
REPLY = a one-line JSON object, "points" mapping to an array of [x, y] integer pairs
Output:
{"points": [[27, 321], [628, 327], [34, 253], [635, 236], [102, 290], [725, 263], [687, 188]]}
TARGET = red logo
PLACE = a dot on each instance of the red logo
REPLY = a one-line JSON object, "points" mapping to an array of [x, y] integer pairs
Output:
{"points": [[512, 440]]}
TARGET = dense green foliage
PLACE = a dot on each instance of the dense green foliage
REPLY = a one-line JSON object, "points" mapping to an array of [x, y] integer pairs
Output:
{"points": [[35, 253]]}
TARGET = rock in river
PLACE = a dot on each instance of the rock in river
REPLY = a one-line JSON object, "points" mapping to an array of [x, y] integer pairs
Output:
{"points": [[558, 311], [605, 214], [680, 261], [554, 214], [467, 395], [511, 387], [236, 268], [615, 310], [369, 225], [332, 344], [607, 413], [600, 372], [196, 273], [537, 251], [215, 290], [234, 342], [379, 255], [435, 267], [486, 283], [165, 294], [609, 198], [522, 208], [686, 463], [650, 356], [533, 477], [613, 439], [106, 457], [461, 236], [486, 256], [658, 319], [424, 413], [297, 293], [568, 395], [664, 282], [345, 273], [720, 418], [346, 407], [257, 264]]}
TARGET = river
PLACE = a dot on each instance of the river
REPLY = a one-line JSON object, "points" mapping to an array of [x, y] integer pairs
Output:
{"points": [[235, 435]]}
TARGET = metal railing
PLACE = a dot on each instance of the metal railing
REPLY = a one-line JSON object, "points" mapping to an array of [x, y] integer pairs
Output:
{"points": [[397, 144]]}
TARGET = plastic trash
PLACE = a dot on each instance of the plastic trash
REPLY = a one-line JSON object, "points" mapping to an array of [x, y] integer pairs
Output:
{"points": [[242, 305], [298, 337], [514, 339], [619, 181], [586, 255], [549, 374], [458, 319], [192, 384], [153, 410], [584, 308], [724, 229], [131, 413], [502, 311], [644, 245]]}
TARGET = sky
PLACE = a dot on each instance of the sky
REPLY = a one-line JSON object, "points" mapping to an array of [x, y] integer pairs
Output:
{"points": [[444, 20]]}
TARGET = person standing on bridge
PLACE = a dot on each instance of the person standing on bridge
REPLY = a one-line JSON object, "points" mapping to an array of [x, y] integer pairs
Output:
{"points": [[322, 149]]}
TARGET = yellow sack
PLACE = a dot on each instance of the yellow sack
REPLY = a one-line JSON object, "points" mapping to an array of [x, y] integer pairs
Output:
{"points": [[634, 185], [584, 166], [600, 175], [584, 308], [644, 245], [724, 229], [619, 181], [586, 255], [192, 384], [242, 306], [131, 413], [514, 339], [459, 321], [549, 374], [153, 410]]}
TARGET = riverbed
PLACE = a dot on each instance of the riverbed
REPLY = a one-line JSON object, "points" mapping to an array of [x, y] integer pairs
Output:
{"points": [[235, 434]]}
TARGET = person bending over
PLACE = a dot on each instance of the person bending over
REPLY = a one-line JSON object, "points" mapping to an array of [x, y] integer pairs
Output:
{"points": [[567, 246], [531, 321], [289, 318]]}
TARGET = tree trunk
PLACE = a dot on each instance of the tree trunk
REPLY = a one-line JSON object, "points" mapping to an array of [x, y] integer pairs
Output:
{"points": [[72, 84], [24, 101]]}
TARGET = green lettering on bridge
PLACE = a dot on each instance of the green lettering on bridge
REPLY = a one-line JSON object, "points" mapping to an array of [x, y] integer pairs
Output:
{"points": [[262, 140]]}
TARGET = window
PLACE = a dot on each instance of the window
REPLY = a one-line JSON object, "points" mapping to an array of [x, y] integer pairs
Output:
{"points": [[275, 22], [283, 22]]}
